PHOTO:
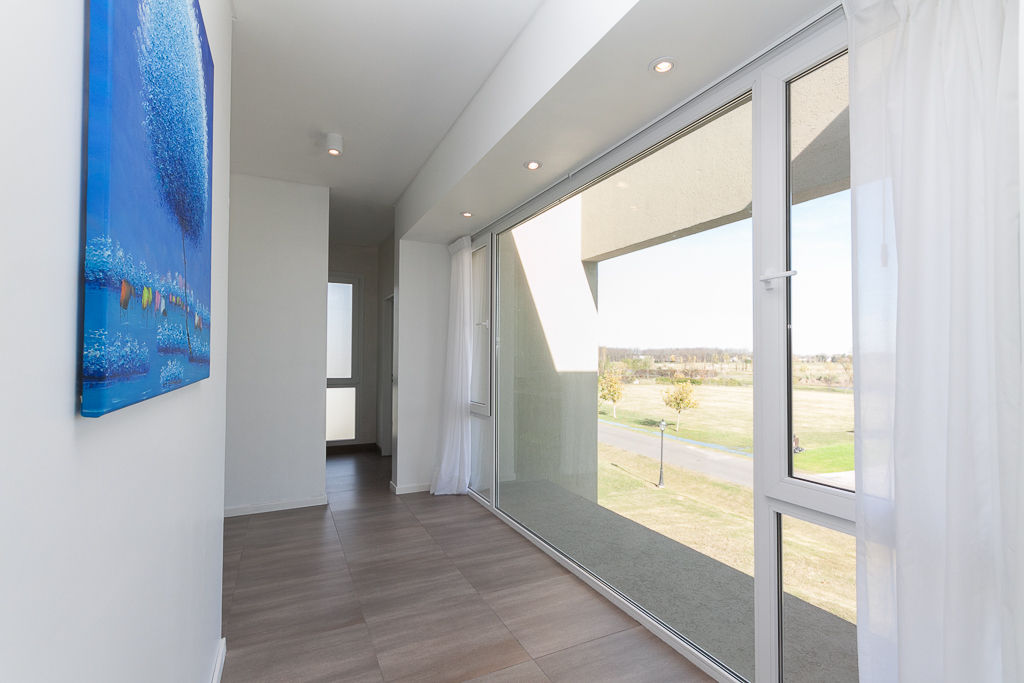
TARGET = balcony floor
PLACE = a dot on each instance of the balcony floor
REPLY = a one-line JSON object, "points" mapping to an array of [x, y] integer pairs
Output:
{"points": [[378, 587]]}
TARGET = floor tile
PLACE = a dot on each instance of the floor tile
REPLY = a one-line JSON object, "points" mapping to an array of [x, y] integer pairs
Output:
{"points": [[359, 541], [249, 625], [547, 616], [527, 672], [460, 640], [392, 598], [344, 654], [285, 567], [375, 586], [497, 570], [633, 656]]}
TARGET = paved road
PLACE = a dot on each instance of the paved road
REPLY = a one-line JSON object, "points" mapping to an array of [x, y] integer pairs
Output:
{"points": [[737, 469]]}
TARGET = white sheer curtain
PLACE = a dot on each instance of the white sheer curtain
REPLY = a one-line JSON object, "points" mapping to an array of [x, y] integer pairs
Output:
{"points": [[452, 473], [935, 174]]}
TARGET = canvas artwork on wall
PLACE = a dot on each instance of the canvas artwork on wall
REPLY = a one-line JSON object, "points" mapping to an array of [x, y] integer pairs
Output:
{"points": [[146, 289]]}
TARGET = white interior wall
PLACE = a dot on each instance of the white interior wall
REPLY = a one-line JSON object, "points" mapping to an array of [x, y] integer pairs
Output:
{"points": [[361, 262], [277, 345], [385, 366], [424, 271], [112, 527]]}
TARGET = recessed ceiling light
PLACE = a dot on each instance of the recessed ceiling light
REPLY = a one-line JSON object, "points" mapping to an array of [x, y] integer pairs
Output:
{"points": [[662, 65], [334, 144], [532, 165], [467, 214]]}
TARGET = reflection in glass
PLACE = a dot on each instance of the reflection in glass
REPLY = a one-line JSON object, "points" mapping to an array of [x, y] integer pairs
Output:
{"points": [[624, 305], [480, 383], [482, 447], [821, 300], [819, 603]]}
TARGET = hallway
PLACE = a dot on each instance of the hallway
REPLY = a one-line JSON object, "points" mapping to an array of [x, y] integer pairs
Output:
{"points": [[379, 587]]}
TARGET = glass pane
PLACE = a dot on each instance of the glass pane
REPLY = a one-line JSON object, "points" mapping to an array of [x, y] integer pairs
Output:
{"points": [[339, 330], [622, 307], [341, 413], [821, 300], [480, 386], [819, 603], [482, 467]]}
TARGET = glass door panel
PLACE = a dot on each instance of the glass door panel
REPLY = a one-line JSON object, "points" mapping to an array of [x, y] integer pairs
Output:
{"points": [[481, 471], [819, 603], [624, 383], [820, 294]]}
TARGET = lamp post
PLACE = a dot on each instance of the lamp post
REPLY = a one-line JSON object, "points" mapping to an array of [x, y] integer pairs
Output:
{"points": [[661, 467]]}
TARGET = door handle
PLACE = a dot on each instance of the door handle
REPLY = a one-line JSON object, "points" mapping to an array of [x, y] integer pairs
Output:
{"points": [[769, 280]]}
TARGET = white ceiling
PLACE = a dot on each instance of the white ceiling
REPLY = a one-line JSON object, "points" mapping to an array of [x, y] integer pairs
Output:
{"points": [[393, 76], [389, 75], [611, 94]]}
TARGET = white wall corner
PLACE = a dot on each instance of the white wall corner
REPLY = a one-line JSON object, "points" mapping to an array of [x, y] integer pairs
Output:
{"points": [[218, 662], [410, 488], [276, 394], [422, 330]]}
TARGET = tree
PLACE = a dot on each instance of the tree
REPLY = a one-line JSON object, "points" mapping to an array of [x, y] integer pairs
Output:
{"points": [[174, 101], [680, 398], [609, 388], [846, 361]]}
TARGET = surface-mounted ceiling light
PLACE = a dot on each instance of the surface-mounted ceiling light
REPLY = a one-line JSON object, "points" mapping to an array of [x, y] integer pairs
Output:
{"points": [[334, 144], [662, 65], [532, 165], [467, 214]]}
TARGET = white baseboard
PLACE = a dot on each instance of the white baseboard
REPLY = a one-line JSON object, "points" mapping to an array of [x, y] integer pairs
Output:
{"points": [[276, 505], [218, 665], [394, 489], [410, 488]]}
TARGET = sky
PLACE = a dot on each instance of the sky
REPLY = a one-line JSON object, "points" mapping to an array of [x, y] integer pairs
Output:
{"points": [[697, 291]]}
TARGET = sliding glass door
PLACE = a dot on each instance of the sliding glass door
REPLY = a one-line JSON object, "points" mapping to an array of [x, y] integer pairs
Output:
{"points": [[671, 407], [625, 403]]}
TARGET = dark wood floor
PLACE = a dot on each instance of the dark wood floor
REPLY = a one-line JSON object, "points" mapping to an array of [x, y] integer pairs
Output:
{"points": [[378, 587]]}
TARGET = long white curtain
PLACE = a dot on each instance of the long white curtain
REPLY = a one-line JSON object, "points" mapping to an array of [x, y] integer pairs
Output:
{"points": [[940, 480], [452, 473]]}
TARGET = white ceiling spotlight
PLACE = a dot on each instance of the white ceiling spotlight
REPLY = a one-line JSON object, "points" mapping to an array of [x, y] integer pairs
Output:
{"points": [[467, 214], [532, 165], [334, 144], [661, 65]]}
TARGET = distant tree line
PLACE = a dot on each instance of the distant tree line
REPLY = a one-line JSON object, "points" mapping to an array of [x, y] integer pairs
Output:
{"points": [[697, 354]]}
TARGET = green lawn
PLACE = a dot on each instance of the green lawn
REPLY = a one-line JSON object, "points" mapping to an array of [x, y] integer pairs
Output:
{"points": [[835, 458], [716, 518], [822, 419]]}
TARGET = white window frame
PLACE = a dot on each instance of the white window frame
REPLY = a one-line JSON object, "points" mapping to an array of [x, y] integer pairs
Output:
{"points": [[775, 491], [357, 347]]}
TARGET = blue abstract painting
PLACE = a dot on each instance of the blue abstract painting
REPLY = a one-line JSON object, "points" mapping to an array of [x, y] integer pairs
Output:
{"points": [[146, 289]]}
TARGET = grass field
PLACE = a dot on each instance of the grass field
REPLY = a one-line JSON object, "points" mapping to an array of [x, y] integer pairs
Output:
{"points": [[716, 518], [822, 419]]}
